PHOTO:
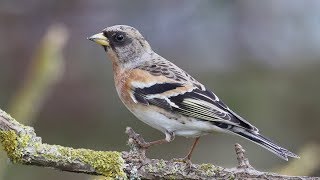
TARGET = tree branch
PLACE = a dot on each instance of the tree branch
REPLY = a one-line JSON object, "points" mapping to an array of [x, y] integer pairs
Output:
{"points": [[24, 147]]}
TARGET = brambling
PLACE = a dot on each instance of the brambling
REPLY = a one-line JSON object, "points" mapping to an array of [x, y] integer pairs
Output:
{"points": [[165, 97]]}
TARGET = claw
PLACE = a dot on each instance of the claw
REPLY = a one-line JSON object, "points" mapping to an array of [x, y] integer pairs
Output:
{"points": [[144, 145], [185, 160]]}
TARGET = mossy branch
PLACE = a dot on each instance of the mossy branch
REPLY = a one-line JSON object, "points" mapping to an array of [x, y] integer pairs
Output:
{"points": [[24, 147]]}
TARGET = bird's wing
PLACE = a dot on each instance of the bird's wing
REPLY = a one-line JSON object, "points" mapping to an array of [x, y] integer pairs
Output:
{"points": [[194, 100], [187, 97]]}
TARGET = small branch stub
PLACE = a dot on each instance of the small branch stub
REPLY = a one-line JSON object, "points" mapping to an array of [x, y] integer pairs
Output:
{"points": [[243, 162]]}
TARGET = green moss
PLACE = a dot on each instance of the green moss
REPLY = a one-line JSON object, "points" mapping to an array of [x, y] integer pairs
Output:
{"points": [[209, 169], [151, 168], [24, 140], [10, 145], [161, 164], [171, 177], [108, 163], [232, 177]]}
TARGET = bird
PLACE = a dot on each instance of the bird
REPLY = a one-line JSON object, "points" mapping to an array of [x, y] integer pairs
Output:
{"points": [[167, 98]]}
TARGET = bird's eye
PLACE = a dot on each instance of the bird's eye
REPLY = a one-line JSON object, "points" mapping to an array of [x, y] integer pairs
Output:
{"points": [[105, 33], [119, 37]]}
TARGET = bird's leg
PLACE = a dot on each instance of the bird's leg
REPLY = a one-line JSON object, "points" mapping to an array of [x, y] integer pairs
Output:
{"points": [[145, 145], [139, 146], [169, 137], [187, 158], [152, 143]]}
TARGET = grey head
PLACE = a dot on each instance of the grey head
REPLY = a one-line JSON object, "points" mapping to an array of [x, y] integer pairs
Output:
{"points": [[123, 44]]}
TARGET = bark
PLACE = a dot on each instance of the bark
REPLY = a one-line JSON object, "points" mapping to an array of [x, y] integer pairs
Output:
{"points": [[24, 147]]}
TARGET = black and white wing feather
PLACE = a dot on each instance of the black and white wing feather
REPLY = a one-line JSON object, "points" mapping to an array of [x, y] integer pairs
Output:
{"points": [[184, 95], [197, 103]]}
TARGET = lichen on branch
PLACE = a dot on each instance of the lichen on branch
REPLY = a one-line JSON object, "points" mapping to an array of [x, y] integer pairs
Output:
{"points": [[24, 147]]}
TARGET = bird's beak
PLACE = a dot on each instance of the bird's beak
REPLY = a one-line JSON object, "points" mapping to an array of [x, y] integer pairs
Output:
{"points": [[99, 39]]}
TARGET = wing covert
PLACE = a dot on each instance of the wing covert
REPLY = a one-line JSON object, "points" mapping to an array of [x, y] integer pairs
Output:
{"points": [[196, 103]]}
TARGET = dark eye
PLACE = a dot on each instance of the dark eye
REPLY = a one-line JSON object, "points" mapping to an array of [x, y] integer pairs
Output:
{"points": [[119, 37], [105, 33]]}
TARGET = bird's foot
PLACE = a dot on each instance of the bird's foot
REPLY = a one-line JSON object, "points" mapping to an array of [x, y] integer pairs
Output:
{"points": [[185, 160], [138, 146], [136, 139], [144, 145]]}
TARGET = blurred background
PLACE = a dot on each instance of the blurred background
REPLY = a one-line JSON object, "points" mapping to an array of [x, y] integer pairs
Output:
{"points": [[261, 57]]}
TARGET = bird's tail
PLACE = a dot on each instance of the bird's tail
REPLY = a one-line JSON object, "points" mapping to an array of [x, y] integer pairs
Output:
{"points": [[264, 142]]}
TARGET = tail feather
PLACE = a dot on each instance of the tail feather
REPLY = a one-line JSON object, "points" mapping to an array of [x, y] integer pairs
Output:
{"points": [[264, 142]]}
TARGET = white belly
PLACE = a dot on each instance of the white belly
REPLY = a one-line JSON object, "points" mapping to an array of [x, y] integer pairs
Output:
{"points": [[181, 126]]}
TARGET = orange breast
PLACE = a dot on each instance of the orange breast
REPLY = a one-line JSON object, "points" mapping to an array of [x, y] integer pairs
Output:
{"points": [[124, 79]]}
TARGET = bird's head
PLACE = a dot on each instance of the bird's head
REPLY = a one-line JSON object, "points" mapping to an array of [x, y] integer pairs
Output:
{"points": [[123, 44]]}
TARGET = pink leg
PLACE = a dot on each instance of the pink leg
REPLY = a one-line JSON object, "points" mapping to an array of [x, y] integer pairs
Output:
{"points": [[192, 148]]}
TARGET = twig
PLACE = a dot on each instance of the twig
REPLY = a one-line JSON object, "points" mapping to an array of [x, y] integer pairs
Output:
{"points": [[242, 160], [24, 147]]}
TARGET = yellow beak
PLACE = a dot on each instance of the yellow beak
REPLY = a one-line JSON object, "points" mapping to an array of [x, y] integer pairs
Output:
{"points": [[99, 39]]}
